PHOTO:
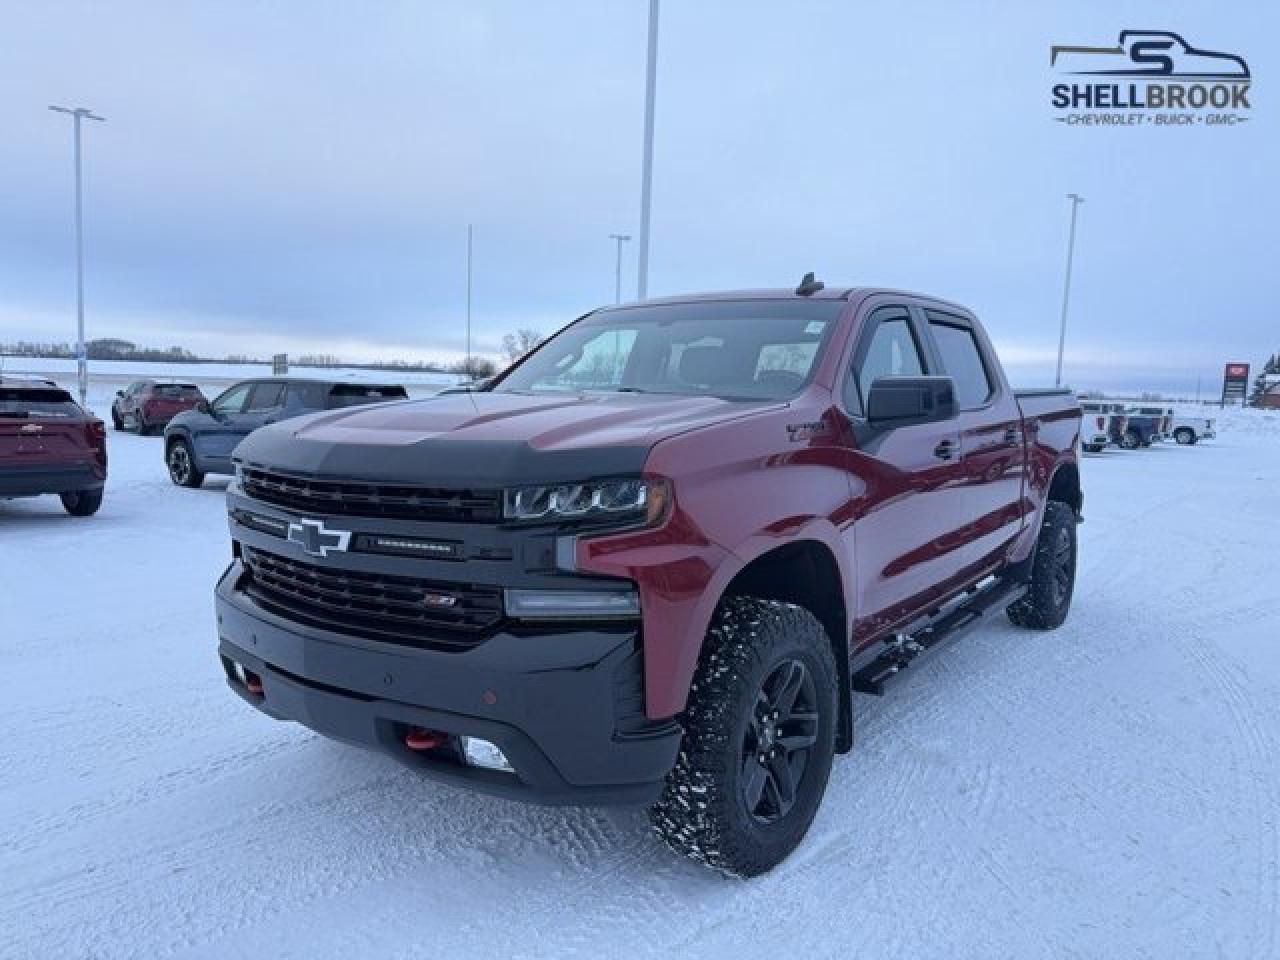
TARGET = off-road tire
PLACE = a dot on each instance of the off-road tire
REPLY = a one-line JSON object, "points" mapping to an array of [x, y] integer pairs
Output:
{"points": [[1185, 436], [183, 474], [703, 812], [82, 503], [1053, 572]]}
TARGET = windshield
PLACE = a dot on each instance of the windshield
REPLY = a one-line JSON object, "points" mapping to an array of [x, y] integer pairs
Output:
{"points": [[736, 350]]}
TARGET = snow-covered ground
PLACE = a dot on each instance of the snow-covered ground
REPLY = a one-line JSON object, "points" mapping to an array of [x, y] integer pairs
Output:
{"points": [[1108, 790]]}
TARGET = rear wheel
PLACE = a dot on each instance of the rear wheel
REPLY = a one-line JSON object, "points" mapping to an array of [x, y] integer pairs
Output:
{"points": [[182, 465], [1131, 440], [1053, 572], [1184, 435], [82, 503], [759, 738]]}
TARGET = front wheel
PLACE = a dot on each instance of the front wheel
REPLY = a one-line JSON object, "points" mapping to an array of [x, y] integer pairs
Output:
{"points": [[1053, 572], [1184, 436], [759, 738], [82, 503], [116, 422], [182, 465]]}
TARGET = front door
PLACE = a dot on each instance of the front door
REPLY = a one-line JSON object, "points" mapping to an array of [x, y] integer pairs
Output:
{"points": [[216, 434], [906, 483]]}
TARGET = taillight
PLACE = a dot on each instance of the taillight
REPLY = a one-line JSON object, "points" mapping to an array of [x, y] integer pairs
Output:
{"points": [[1102, 422], [96, 433]]}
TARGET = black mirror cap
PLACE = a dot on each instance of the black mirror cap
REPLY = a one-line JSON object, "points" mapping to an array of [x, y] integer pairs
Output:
{"points": [[119, 393], [902, 401]]}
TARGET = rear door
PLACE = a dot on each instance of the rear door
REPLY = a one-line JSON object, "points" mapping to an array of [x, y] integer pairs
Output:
{"points": [[903, 545], [992, 453]]}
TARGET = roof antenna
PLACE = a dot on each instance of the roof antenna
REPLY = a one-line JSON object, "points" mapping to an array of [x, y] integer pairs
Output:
{"points": [[809, 286]]}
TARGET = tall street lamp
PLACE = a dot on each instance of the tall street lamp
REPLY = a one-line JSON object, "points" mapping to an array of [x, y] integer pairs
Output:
{"points": [[646, 169], [82, 370], [620, 238], [1076, 200]]}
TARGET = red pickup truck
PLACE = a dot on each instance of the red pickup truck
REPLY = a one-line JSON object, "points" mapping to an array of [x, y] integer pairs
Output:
{"points": [[653, 561]]}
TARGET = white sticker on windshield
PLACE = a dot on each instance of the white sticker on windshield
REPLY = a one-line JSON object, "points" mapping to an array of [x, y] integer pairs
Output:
{"points": [[814, 327]]}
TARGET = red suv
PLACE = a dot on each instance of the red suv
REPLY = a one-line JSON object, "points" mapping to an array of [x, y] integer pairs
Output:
{"points": [[49, 444], [148, 405]]}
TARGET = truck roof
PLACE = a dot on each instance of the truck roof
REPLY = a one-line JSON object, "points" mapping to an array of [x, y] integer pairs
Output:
{"points": [[782, 293]]}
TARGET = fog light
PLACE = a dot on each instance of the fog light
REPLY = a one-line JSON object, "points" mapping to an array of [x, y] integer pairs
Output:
{"points": [[571, 604], [482, 753]]}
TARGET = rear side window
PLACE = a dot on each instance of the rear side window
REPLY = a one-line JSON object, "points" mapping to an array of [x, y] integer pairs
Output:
{"points": [[961, 361], [302, 396], [265, 396], [354, 394], [38, 403], [892, 352]]}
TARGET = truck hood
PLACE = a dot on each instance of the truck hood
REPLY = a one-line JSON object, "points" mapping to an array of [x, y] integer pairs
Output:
{"points": [[487, 439]]}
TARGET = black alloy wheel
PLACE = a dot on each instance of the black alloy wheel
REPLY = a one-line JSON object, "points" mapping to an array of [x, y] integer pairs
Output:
{"points": [[775, 748]]}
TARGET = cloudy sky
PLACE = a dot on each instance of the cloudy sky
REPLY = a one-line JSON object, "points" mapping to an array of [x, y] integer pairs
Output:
{"points": [[299, 175]]}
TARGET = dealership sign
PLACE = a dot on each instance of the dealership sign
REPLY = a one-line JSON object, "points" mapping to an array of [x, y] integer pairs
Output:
{"points": [[1235, 382], [1149, 78]]}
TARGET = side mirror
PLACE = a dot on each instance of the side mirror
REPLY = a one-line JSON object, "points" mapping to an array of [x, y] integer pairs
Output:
{"points": [[119, 393], [203, 407], [902, 401]]}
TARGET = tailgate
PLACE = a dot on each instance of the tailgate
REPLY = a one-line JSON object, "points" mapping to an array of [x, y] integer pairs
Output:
{"points": [[52, 439]]}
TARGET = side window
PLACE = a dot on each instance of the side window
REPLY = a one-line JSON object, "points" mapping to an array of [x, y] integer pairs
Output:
{"points": [[299, 396], [961, 360], [891, 352], [233, 400], [265, 396]]}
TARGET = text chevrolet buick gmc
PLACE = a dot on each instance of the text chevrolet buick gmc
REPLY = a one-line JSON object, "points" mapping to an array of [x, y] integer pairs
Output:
{"points": [[652, 561]]}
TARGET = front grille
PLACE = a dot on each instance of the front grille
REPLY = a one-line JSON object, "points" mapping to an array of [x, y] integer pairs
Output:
{"points": [[372, 605], [355, 499]]}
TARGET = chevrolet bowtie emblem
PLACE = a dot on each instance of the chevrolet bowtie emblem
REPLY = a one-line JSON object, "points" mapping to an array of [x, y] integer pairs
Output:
{"points": [[316, 539]]}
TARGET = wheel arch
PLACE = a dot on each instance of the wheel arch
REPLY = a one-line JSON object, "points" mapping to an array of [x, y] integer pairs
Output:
{"points": [[805, 572], [1065, 487]]}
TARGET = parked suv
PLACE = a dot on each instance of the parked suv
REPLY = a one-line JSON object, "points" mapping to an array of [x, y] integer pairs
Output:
{"points": [[149, 405], [200, 441], [49, 444], [651, 562]]}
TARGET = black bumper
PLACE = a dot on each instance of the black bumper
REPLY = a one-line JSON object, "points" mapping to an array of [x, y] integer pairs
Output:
{"points": [[31, 481], [565, 708]]}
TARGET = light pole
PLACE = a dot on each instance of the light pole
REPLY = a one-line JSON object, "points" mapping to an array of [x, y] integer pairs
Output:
{"points": [[82, 369], [467, 361], [646, 169], [620, 238], [1076, 200]]}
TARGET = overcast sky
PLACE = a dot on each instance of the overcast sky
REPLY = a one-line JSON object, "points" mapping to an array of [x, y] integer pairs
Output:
{"points": [[299, 176]]}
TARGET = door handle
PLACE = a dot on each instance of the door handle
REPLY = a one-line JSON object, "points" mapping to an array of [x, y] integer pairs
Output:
{"points": [[946, 449]]}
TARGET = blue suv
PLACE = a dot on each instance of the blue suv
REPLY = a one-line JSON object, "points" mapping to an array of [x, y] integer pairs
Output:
{"points": [[200, 441]]}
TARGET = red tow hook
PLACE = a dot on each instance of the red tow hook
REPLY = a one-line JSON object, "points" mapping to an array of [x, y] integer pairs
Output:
{"points": [[419, 740]]}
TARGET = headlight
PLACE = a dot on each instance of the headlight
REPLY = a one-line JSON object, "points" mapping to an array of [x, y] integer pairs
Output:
{"points": [[622, 500]]}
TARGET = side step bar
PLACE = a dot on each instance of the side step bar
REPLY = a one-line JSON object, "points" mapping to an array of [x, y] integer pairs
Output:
{"points": [[948, 622]]}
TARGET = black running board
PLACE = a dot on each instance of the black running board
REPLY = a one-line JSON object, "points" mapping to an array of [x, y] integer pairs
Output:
{"points": [[961, 615]]}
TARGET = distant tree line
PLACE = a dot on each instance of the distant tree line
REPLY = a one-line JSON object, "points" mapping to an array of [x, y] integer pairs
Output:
{"points": [[514, 346]]}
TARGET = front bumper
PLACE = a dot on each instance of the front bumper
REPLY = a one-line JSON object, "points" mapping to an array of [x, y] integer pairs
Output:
{"points": [[35, 479], [567, 708]]}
